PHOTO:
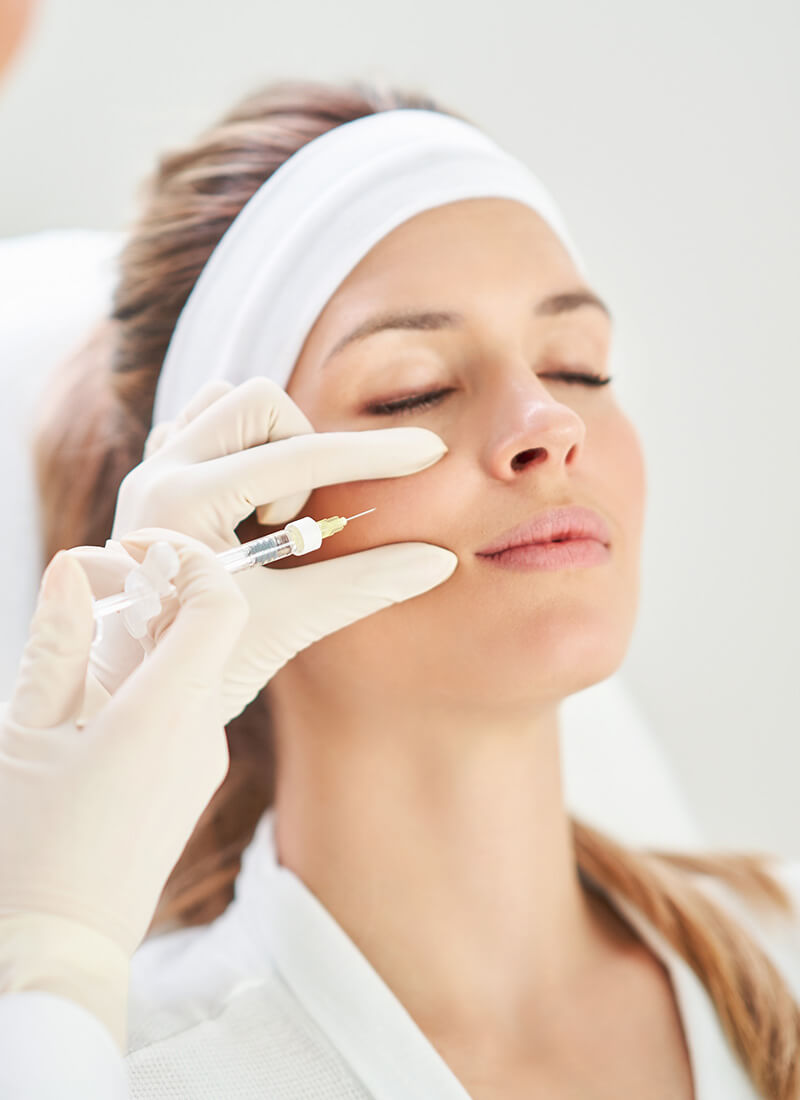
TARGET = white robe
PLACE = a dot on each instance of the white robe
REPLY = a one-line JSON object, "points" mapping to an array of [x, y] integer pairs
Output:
{"points": [[273, 999]]}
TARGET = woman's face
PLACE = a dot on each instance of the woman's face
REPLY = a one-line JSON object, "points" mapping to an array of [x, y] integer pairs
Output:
{"points": [[499, 387]]}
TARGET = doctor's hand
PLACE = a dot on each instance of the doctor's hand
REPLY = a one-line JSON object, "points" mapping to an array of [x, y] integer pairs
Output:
{"points": [[94, 818], [236, 449]]}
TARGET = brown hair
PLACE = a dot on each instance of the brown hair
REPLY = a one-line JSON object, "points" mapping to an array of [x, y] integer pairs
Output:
{"points": [[92, 432]]}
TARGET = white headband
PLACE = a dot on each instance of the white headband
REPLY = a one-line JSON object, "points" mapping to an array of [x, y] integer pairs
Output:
{"points": [[310, 223]]}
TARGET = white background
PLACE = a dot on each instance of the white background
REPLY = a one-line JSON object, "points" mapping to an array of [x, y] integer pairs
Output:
{"points": [[669, 135]]}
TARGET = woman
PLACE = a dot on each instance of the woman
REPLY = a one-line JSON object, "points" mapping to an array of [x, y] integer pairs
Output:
{"points": [[417, 914]]}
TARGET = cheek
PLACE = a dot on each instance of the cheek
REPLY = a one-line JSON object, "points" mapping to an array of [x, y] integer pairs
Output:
{"points": [[620, 489], [406, 510]]}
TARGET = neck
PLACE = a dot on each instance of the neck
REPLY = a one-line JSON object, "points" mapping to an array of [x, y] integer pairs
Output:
{"points": [[439, 841]]}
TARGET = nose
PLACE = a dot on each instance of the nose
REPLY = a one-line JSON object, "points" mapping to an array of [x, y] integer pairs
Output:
{"points": [[528, 427]]}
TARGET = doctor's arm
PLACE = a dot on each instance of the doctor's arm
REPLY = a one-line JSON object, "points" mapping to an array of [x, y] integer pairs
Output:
{"points": [[76, 897]]}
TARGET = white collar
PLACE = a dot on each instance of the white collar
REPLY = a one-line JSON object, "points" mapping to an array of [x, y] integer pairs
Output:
{"points": [[366, 1022]]}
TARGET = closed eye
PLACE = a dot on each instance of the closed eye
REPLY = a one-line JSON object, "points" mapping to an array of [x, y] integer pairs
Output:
{"points": [[420, 401], [434, 397]]}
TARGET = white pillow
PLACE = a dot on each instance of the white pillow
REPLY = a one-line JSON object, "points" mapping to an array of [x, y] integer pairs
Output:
{"points": [[54, 287], [616, 774]]}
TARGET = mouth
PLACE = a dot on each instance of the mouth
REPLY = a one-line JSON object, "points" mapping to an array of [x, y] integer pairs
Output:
{"points": [[559, 538]]}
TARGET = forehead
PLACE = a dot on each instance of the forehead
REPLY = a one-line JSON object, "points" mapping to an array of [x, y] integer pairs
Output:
{"points": [[464, 236], [471, 246]]}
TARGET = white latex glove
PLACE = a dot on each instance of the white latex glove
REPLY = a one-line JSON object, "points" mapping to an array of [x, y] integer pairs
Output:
{"points": [[93, 819], [230, 452]]}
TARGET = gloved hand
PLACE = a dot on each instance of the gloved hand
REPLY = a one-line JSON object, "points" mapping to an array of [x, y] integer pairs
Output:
{"points": [[228, 453], [93, 819]]}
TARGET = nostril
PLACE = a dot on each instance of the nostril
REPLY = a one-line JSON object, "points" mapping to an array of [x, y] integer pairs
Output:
{"points": [[524, 457]]}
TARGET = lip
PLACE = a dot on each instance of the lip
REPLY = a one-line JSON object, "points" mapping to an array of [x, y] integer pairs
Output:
{"points": [[572, 554], [562, 524]]}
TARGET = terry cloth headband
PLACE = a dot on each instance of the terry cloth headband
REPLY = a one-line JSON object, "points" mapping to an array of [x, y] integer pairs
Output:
{"points": [[309, 224]]}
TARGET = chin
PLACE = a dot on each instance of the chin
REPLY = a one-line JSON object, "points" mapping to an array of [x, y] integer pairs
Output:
{"points": [[519, 688], [556, 654]]}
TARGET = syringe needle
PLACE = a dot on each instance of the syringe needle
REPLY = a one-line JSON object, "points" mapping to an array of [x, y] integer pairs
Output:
{"points": [[359, 514]]}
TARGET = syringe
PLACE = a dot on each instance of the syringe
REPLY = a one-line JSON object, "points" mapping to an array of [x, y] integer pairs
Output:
{"points": [[145, 586]]}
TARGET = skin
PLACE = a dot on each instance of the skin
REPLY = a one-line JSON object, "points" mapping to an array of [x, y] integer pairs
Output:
{"points": [[14, 18], [419, 791]]}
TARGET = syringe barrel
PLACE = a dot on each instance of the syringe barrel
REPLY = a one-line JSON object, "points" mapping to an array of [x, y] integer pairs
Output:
{"points": [[258, 552]]}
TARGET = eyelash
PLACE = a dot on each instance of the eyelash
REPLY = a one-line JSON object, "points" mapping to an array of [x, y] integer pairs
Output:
{"points": [[433, 397]]}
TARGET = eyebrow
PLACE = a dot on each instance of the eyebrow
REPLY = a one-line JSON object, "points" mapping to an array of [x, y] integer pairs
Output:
{"points": [[441, 319]]}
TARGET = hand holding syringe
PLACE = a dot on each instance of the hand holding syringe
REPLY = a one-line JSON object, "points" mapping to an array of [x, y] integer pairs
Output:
{"points": [[252, 443], [148, 584]]}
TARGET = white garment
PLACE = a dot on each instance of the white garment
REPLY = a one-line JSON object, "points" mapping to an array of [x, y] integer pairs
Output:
{"points": [[274, 999]]}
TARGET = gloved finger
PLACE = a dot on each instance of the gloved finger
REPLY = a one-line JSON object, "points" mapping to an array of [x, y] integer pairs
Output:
{"points": [[106, 567], [278, 472], [254, 412], [324, 596], [114, 653], [156, 439], [185, 668], [52, 671], [95, 697], [136, 545], [257, 411], [206, 396], [138, 542]]}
